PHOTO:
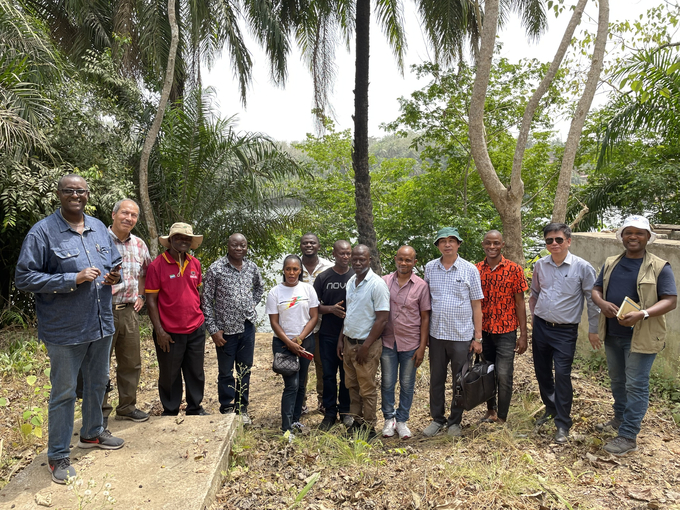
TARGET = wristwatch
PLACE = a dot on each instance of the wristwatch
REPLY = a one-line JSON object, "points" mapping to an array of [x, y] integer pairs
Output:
{"points": [[646, 315], [478, 340]]}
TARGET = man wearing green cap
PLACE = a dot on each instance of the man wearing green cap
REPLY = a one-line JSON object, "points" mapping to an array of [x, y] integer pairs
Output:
{"points": [[455, 324]]}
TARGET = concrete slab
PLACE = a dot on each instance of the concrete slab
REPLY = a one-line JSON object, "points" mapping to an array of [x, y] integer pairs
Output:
{"points": [[170, 463]]}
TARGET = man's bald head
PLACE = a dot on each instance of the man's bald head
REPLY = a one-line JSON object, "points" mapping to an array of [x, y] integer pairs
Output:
{"points": [[237, 247]]}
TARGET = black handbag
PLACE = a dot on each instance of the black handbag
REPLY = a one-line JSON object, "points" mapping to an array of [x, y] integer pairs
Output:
{"points": [[475, 383], [286, 363]]}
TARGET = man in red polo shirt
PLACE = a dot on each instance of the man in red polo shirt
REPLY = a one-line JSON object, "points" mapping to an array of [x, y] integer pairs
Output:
{"points": [[503, 310], [174, 304]]}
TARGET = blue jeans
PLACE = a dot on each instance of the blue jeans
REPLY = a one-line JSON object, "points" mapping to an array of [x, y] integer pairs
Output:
{"points": [[629, 373], [294, 386], [335, 400], [499, 349], [92, 358], [239, 349], [392, 360]]}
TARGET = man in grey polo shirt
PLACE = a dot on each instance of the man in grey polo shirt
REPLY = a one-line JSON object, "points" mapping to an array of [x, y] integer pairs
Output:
{"points": [[359, 344], [560, 284]]}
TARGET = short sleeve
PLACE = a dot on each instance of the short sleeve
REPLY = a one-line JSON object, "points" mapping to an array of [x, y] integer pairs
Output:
{"points": [[381, 297], [665, 285], [520, 280], [153, 281], [599, 282], [270, 306], [313, 298], [476, 292], [425, 302]]}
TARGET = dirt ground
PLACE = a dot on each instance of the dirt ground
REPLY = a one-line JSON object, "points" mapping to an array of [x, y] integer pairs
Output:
{"points": [[491, 467]]}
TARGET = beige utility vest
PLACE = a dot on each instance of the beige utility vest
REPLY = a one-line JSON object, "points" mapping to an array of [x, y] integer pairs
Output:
{"points": [[648, 335]]}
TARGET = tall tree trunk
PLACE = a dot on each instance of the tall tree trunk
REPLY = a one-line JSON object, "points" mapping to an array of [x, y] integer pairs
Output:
{"points": [[152, 135], [362, 176], [564, 183]]}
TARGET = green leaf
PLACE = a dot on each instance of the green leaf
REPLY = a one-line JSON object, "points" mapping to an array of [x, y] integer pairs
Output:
{"points": [[672, 68], [636, 85], [665, 92], [31, 379], [26, 430], [37, 432], [4, 402], [26, 415]]}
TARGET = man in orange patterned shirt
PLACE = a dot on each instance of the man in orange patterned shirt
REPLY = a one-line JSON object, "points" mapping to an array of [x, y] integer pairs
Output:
{"points": [[503, 310]]}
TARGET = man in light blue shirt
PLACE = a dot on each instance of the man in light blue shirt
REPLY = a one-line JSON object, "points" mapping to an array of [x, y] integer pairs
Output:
{"points": [[455, 324], [69, 262], [359, 343], [561, 283]]}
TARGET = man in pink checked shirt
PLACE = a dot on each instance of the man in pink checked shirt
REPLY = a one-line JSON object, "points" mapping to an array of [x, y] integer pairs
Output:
{"points": [[404, 340]]}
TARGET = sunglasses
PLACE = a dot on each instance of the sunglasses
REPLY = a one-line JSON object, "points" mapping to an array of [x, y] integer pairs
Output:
{"points": [[550, 240]]}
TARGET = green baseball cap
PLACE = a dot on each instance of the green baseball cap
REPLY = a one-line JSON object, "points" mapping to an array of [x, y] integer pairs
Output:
{"points": [[447, 232]]}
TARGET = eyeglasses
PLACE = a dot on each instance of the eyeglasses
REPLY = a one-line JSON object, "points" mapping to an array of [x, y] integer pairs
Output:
{"points": [[550, 240], [79, 192]]}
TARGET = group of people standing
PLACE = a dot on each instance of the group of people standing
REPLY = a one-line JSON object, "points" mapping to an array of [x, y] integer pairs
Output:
{"points": [[90, 282]]}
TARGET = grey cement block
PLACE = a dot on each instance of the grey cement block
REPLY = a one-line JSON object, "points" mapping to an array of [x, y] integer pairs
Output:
{"points": [[172, 463]]}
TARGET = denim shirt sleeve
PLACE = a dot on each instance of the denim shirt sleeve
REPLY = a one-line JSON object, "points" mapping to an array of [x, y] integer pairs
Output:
{"points": [[31, 273]]}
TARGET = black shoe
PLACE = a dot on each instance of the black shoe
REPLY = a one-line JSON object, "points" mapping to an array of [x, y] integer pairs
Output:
{"points": [[200, 412], [561, 436], [327, 423], [547, 416], [136, 415]]}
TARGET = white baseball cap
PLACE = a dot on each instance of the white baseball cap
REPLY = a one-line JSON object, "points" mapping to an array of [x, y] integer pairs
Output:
{"points": [[639, 222]]}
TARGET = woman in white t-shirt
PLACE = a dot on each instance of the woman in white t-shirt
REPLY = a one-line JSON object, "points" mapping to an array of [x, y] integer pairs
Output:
{"points": [[293, 309]]}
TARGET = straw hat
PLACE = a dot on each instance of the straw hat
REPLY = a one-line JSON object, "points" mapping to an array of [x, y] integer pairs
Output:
{"points": [[184, 229]]}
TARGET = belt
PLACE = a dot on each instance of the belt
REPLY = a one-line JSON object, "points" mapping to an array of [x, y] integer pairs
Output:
{"points": [[121, 306], [556, 325], [354, 341]]}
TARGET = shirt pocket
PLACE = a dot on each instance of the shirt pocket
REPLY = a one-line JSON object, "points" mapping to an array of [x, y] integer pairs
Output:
{"points": [[66, 260], [571, 285], [461, 291]]}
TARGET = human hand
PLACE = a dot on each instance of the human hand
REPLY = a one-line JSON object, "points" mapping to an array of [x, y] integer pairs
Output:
{"points": [[88, 274], [631, 318], [475, 347], [362, 354], [418, 357], [113, 276], [139, 303], [340, 347], [594, 340], [338, 310], [609, 310], [521, 346], [164, 340], [218, 338]]}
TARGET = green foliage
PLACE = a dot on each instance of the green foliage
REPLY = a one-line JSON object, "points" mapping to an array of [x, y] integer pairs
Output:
{"points": [[219, 180], [22, 355]]}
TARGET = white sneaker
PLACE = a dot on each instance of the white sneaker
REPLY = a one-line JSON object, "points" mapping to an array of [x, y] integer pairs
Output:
{"points": [[402, 430], [388, 429], [297, 426], [245, 419]]}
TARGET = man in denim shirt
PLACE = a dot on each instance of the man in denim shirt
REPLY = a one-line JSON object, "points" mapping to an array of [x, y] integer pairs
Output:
{"points": [[68, 261]]}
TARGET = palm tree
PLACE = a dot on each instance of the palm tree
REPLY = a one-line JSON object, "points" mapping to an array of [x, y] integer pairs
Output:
{"points": [[207, 174]]}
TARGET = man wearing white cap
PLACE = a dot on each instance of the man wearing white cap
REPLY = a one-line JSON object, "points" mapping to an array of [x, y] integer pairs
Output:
{"points": [[632, 340], [174, 304]]}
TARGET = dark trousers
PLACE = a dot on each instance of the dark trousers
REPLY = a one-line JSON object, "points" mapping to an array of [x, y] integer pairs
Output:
{"points": [[499, 349], [555, 345], [239, 349], [185, 359], [294, 386], [334, 401], [445, 353]]}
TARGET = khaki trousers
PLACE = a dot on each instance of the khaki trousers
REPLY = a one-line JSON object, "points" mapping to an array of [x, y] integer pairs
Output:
{"points": [[361, 381], [126, 346]]}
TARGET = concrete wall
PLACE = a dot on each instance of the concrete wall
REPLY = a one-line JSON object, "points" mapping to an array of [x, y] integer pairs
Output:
{"points": [[596, 247]]}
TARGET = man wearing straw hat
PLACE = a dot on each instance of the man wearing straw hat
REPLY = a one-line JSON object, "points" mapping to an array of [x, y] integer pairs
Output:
{"points": [[174, 305], [632, 340]]}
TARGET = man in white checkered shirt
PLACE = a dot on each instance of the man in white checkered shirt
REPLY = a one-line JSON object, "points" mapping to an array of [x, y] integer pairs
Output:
{"points": [[455, 324]]}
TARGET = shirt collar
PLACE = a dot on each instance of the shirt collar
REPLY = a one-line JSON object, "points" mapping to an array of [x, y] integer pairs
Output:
{"points": [[228, 263], [395, 277], [567, 260], [369, 275], [115, 237], [501, 263], [64, 226], [170, 260], [455, 263]]}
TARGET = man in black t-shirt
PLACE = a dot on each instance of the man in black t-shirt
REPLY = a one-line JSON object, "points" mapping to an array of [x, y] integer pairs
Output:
{"points": [[632, 340], [330, 288]]}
